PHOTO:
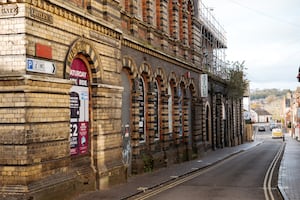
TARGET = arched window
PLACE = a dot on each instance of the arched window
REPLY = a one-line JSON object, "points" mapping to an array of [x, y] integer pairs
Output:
{"points": [[207, 120], [142, 110], [170, 109], [156, 107], [180, 110], [223, 112]]}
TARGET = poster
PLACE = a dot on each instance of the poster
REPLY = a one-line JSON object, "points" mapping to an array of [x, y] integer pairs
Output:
{"points": [[79, 109]]}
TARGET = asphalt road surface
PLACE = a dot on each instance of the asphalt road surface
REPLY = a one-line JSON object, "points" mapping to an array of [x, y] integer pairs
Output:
{"points": [[241, 177]]}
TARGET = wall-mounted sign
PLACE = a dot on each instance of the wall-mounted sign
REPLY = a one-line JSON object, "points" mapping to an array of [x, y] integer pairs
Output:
{"points": [[204, 85], [43, 51], [9, 10], [41, 15], [40, 66]]}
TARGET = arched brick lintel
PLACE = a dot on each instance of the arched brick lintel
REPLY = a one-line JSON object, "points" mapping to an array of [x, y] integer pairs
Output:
{"points": [[83, 47], [129, 63]]}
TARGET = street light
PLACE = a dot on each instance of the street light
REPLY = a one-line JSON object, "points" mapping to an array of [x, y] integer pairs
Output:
{"points": [[298, 77]]}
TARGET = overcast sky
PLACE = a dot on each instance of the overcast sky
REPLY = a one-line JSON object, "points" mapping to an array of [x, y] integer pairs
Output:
{"points": [[266, 35]]}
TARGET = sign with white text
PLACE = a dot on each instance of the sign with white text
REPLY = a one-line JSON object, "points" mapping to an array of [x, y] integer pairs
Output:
{"points": [[40, 66], [204, 85]]}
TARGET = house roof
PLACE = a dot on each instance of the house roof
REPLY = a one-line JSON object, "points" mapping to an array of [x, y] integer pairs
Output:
{"points": [[261, 111]]}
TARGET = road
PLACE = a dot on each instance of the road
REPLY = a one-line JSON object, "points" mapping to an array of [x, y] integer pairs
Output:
{"points": [[239, 177]]}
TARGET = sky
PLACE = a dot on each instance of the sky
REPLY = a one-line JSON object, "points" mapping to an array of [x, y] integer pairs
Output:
{"points": [[266, 35]]}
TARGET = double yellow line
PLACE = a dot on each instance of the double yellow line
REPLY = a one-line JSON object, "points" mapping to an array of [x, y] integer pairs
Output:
{"points": [[181, 180], [268, 177]]}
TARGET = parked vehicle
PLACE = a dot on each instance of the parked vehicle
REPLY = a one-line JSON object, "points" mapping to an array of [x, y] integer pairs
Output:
{"points": [[277, 133], [272, 126], [261, 128]]}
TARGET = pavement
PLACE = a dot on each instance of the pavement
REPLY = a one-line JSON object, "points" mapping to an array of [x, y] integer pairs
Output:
{"points": [[288, 178], [289, 171]]}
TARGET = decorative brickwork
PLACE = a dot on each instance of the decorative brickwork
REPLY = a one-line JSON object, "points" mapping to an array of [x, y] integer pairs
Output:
{"points": [[82, 46]]}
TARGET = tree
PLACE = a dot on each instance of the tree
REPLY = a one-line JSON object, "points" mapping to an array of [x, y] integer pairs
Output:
{"points": [[237, 84]]}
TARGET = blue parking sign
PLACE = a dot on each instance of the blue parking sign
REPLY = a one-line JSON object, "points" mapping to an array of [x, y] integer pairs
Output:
{"points": [[29, 64]]}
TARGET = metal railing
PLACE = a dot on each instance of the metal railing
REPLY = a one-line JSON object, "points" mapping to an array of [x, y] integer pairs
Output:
{"points": [[217, 67], [214, 61], [209, 20]]}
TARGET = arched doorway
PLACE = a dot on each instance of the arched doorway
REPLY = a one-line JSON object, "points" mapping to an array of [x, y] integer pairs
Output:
{"points": [[125, 120]]}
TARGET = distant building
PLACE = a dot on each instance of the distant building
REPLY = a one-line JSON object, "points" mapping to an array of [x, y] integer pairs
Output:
{"points": [[293, 114], [260, 116], [275, 107]]}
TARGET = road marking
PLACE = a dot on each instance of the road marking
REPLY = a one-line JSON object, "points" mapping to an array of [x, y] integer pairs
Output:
{"points": [[142, 189], [268, 177], [175, 182], [151, 193]]}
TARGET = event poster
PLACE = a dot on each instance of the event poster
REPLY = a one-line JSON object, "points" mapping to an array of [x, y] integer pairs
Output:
{"points": [[79, 109]]}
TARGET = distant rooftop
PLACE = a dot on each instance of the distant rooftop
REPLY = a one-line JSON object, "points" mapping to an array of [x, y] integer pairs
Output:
{"points": [[261, 111]]}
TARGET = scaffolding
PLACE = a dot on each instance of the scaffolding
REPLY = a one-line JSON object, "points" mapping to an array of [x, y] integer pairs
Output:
{"points": [[210, 22], [214, 43]]}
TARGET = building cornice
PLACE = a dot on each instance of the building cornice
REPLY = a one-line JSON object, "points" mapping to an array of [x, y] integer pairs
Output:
{"points": [[131, 43], [77, 15]]}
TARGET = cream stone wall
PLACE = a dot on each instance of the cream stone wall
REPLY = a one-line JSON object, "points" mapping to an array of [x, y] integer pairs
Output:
{"points": [[35, 108], [28, 137]]}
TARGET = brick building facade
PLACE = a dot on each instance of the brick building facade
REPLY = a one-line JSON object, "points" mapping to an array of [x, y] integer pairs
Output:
{"points": [[93, 92]]}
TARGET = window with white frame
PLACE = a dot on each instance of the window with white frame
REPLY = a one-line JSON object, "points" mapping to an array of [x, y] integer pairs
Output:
{"points": [[180, 102], [156, 111], [170, 110], [142, 108]]}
